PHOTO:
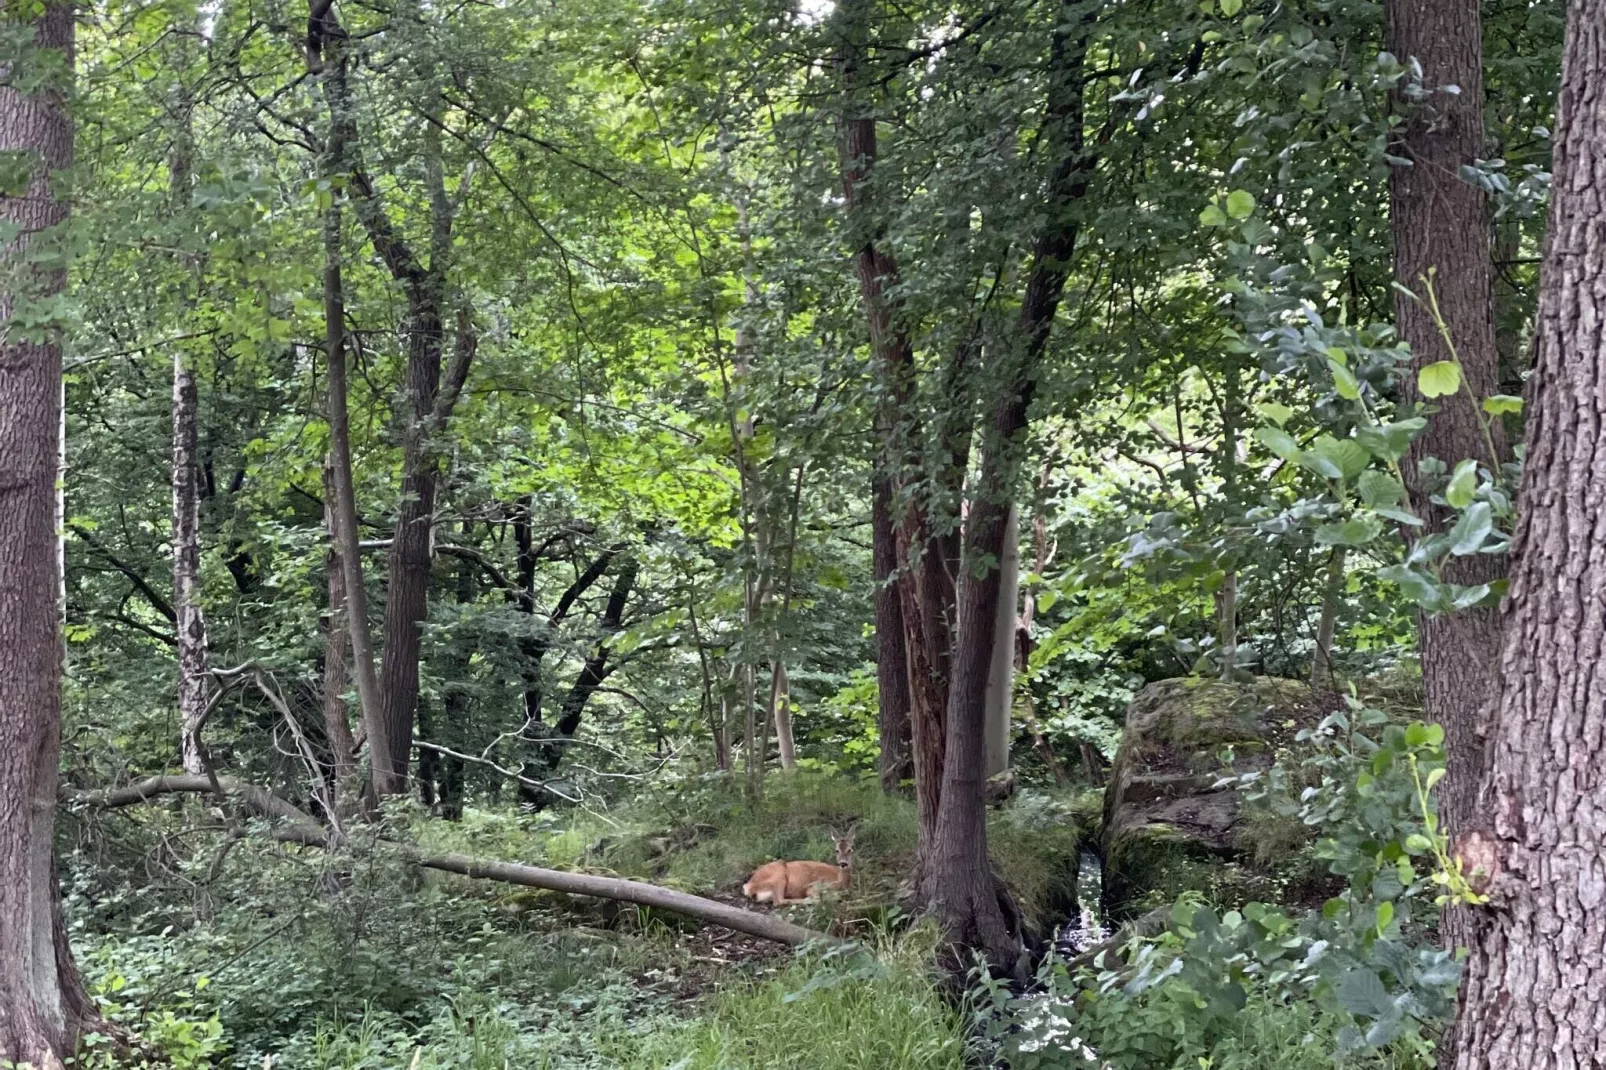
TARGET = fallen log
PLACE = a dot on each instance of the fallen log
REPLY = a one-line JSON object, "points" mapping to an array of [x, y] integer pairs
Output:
{"points": [[299, 827]]}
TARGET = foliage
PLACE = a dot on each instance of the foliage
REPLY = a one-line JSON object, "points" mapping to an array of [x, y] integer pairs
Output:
{"points": [[1361, 976]]}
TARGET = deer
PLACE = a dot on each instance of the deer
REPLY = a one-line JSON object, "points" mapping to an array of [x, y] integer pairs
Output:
{"points": [[782, 883]]}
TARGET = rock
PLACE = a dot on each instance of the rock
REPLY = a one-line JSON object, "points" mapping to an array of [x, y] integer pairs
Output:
{"points": [[1167, 827]]}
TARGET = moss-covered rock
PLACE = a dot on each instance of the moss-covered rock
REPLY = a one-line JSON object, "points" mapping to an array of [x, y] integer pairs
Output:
{"points": [[1168, 825]]}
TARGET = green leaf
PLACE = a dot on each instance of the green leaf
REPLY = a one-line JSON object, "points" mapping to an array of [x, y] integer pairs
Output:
{"points": [[1361, 992], [1336, 354], [1357, 531], [1213, 216], [1046, 600], [1472, 529], [1390, 441], [1277, 414], [1416, 843], [1240, 204], [1439, 378], [1434, 776], [1419, 587], [1496, 404], [1346, 456], [1230, 8], [1344, 381], [1385, 914], [1379, 489], [1279, 442], [1463, 484]]}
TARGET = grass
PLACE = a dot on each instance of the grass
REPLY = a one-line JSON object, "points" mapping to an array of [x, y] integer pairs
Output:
{"points": [[875, 1013]]}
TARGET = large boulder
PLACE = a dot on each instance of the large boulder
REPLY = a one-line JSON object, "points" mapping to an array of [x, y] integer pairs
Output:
{"points": [[1168, 827]]}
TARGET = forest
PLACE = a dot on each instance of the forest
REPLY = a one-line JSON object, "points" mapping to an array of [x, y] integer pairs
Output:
{"points": [[817, 534]]}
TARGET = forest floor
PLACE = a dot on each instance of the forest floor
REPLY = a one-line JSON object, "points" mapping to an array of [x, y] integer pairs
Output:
{"points": [[348, 962]]}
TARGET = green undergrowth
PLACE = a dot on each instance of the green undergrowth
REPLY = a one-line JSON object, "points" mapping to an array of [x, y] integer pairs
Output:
{"points": [[709, 839]]}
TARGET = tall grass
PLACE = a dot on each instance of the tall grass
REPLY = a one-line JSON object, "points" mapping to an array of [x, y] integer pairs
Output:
{"points": [[881, 1014]]}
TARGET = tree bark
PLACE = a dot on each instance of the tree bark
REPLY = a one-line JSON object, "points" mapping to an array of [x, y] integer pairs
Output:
{"points": [[343, 784], [925, 584], [1321, 662], [1532, 991], [190, 623], [1001, 676], [342, 515], [1441, 232], [892, 664], [41, 1002]]}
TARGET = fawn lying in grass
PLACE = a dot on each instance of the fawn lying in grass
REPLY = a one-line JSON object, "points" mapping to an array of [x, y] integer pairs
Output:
{"points": [[795, 882]]}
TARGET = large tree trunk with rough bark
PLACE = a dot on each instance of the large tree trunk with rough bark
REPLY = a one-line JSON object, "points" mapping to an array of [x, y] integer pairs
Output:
{"points": [[892, 663], [1441, 235], [42, 1004], [1532, 993]]}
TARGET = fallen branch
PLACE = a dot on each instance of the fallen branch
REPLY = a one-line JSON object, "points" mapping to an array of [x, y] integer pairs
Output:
{"points": [[764, 926], [300, 827]]}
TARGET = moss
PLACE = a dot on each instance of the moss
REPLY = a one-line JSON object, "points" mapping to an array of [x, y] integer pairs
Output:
{"points": [[1169, 825]]}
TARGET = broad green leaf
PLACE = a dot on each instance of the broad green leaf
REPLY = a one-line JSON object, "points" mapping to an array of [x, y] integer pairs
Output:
{"points": [[1400, 515], [1356, 531], [1230, 8], [1467, 597], [1379, 489], [1279, 442], [1240, 204], [1385, 914], [1390, 441], [1213, 216], [1496, 404], [1472, 529], [1347, 456], [1337, 354], [1277, 414], [1416, 843], [1344, 380], [1463, 484], [1361, 992], [1419, 587], [1434, 776], [1439, 378]]}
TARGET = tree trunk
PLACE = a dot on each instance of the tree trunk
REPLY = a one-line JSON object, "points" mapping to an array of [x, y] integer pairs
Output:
{"points": [[342, 515], [190, 625], [407, 595], [1531, 997], [781, 711], [892, 665], [189, 621], [343, 783], [1001, 676], [955, 876], [42, 1005], [1441, 233], [1321, 662], [925, 584], [1028, 615]]}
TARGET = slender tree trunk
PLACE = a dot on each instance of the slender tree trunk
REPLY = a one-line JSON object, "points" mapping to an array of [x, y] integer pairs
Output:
{"points": [[1321, 663], [925, 580], [781, 711], [186, 539], [892, 664], [1028, 616], [1001, 676], [1441, 232], [42, 1004], [189, 621], [1531, 997], [343, 512], [344, 787]]}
